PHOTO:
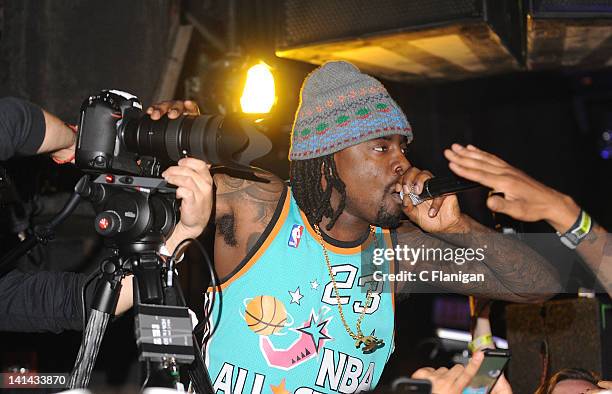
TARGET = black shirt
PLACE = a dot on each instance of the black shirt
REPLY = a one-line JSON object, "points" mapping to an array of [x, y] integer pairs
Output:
{"points": [[22, 128], [44, 300], [41, 301]]}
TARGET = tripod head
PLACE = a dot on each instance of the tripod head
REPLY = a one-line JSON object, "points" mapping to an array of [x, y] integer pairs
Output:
{"points": [[134, 214]]}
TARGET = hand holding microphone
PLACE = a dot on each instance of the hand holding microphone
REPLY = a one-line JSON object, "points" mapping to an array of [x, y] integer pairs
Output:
{"points": [[436, 187], [431, 205]]}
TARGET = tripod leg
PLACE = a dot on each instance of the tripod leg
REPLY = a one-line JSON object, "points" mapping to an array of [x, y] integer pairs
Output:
{"points": [[92, 337], [103, 306]]}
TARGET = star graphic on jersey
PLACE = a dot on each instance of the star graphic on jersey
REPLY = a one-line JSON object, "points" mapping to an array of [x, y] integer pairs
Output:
{"points": [[280, 389], [296, 296], [315, 330], [314, 285]]}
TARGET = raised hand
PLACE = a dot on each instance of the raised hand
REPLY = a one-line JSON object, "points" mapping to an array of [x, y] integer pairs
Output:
{"points": [[524, 198]]}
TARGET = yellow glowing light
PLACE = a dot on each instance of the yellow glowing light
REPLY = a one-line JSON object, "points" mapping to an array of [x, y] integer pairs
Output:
{"points": [[258, 95]]}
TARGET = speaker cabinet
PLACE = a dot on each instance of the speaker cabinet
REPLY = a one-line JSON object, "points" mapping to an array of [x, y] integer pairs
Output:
{"points": [[406, 40], [569, 33]]}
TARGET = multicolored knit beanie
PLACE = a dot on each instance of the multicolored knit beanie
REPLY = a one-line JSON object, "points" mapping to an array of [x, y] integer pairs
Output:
{"points": [[341, 107]]}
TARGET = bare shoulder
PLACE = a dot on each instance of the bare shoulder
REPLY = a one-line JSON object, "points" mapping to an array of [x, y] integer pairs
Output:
{"points": [[243, 211]]}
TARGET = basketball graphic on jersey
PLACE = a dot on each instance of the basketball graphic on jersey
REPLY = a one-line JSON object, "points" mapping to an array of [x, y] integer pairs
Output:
{"points": [[265, 315]]}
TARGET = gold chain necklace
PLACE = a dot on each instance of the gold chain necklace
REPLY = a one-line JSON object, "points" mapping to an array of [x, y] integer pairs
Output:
{"points": [[370, 342]]}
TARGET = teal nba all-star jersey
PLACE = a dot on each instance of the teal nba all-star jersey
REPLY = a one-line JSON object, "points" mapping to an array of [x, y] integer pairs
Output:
{"points": [[279, 330]]}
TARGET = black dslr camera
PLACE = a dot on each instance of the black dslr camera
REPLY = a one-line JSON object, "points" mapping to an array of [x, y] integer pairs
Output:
{"points": [[128, 151], [115, 136]]}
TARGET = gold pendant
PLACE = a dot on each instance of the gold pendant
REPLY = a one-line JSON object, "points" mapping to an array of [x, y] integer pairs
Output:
{"points": [[370, 343]]}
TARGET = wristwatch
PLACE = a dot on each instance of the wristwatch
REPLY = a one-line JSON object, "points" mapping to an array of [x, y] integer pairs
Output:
{"points": [[579, 231]]}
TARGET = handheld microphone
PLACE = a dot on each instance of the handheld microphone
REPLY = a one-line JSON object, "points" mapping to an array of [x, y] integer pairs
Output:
{"points": [[436, 187]]}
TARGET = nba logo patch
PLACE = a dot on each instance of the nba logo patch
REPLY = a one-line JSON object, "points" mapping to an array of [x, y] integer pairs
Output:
{"points": [[295, 236]]}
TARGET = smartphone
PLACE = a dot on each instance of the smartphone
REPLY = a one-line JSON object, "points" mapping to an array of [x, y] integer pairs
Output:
{"points": [[493, 365], [412, 386]]}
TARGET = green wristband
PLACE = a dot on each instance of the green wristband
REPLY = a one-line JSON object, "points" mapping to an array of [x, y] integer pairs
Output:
{"points": [[579, 231], [480, 342]]}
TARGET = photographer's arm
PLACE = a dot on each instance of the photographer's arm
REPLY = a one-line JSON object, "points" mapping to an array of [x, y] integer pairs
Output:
{"points": [[174, 109], [192, 177], [194, 182], [41, 301], [26, 129], [48, 301], [59, 139]]}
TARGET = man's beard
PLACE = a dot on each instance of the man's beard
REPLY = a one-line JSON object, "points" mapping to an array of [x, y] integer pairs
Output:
{"points": [[386, 219]]}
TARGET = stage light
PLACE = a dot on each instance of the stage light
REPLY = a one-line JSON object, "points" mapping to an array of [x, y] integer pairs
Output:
{"points": [[235, 83], [258, 95]]}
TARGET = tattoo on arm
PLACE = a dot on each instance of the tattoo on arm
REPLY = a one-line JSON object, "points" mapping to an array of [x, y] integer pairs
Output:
{"points": [[512, 271], [592, 237], [608, 246], [596, 251]]}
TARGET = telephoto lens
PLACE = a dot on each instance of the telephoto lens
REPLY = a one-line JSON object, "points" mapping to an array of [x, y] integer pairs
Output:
{"points": [[115, 136], [229, 141]]}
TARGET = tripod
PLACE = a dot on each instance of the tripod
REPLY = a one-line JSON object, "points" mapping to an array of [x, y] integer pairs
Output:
{"points": [[134, 217], [163, 324]]}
